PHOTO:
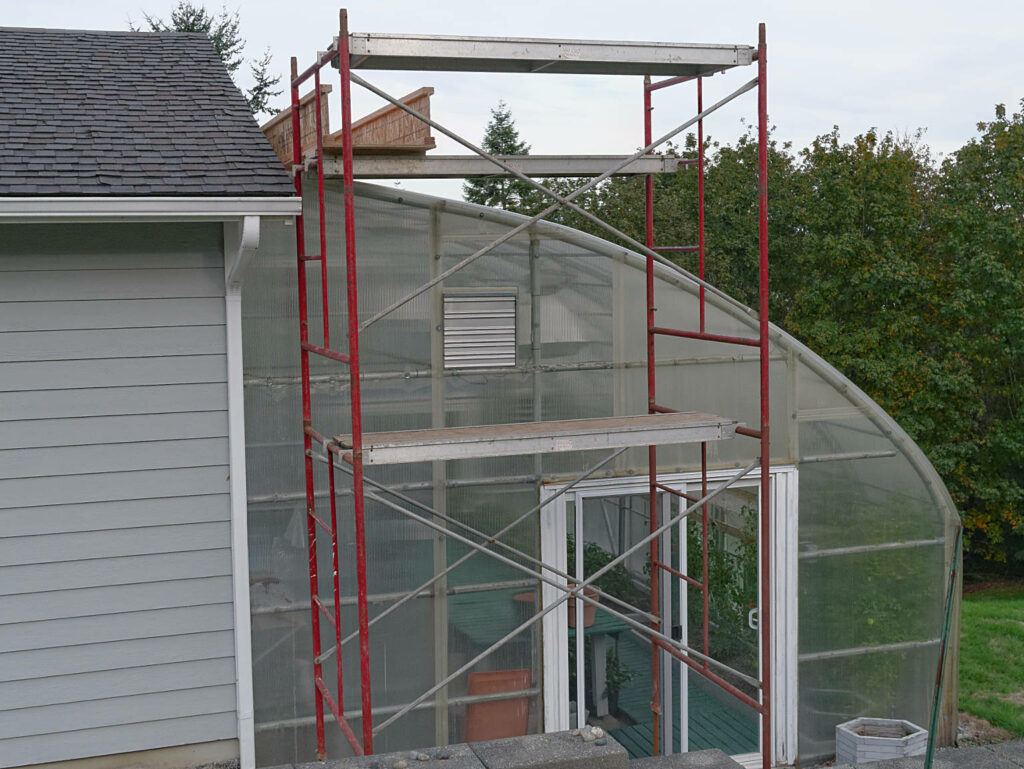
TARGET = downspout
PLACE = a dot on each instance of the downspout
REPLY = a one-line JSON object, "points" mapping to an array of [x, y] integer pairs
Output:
{"points": [[241, 239]]}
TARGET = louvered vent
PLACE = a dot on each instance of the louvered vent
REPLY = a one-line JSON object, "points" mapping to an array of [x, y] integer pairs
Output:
{"points": [[480, 330]]}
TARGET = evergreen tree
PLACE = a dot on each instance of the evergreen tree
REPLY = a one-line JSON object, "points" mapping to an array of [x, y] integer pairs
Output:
{"points": [[224, 30], [501, 138], [262, 91]]}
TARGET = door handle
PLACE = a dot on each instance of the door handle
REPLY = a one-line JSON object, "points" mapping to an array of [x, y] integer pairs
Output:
{"points": [[752, 619]]}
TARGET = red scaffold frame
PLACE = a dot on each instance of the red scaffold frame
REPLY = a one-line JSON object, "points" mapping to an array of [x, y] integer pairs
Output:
{"points": [[761, 342], [348, 456]]}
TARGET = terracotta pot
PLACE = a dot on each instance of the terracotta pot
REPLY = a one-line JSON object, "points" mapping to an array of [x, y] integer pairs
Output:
{"points": [[501, 718], [526, 605], [589, 610]]}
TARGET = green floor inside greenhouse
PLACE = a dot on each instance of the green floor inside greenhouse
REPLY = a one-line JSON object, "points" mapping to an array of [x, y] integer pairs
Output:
{"points": [[712, 723]]}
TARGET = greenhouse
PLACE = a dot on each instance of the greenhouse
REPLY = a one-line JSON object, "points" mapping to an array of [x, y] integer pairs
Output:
{"points": [[550, 326]]}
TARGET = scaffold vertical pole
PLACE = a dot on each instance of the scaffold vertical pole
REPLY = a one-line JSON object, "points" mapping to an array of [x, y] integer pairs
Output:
{"points": [[307, 444], [358, 500], [322, 215], [337, 584], [764, 610], [652, 452], [700, 197], [704, 547]]}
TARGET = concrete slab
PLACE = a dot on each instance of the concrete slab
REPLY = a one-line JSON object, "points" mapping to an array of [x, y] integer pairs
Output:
{"points": [[1011, 751], [701, 759], [449, 757], [558, 750], [946, 758]]}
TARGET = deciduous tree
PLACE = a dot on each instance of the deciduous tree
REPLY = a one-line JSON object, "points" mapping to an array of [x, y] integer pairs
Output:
{"points": [[979, 226]]}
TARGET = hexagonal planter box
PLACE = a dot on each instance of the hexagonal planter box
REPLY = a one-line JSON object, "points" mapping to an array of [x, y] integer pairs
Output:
{"points": [[876, 739]]}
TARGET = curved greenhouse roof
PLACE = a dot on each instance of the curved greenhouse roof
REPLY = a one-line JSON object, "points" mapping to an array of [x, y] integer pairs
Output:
{"points": [[874, 521]]}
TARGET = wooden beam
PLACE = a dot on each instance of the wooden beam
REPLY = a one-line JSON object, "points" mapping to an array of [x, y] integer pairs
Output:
{"points": [[278, 129], [389, 129]]}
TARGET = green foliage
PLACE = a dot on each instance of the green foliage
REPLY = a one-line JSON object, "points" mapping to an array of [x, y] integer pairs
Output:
{"points": [[501, 138], [992, 657], [262, 91], [617, 674], [224, 29], [980, 234], [616, 581], [732, 573]]}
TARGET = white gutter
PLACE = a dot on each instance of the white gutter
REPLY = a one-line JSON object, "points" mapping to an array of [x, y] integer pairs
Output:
{"points": [[144, 208]]}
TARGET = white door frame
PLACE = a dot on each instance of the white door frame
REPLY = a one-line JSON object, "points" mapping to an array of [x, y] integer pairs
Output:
{"points": [[555, 625]]}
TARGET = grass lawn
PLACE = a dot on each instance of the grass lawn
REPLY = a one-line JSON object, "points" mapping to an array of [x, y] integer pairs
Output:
{"points": [[992, 656]]}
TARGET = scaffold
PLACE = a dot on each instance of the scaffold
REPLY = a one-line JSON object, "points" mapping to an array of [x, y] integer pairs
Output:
{"points": [[349, 453]]}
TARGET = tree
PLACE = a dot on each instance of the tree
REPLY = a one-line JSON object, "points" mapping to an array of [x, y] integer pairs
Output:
{"points": [[905, 274], [501, 138], [224, 29], [262, 91], [979, 226]]}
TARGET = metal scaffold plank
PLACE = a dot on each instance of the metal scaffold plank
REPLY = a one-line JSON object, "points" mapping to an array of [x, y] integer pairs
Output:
{"points": [[540, 437], [457, 53], [409, 166]]}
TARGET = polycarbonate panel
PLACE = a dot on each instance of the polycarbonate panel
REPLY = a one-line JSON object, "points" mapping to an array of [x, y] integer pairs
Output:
{"points": [[874, 519]]}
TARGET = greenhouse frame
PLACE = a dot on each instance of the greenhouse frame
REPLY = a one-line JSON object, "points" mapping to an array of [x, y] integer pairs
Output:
{"points": [[499, 384]]}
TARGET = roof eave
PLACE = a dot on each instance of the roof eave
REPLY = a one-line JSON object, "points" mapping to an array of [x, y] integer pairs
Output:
{"points": [[144, 209]]}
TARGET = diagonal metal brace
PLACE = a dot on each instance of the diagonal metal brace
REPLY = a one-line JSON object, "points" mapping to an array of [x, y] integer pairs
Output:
{"points": [[437, 577], [578, 592], [565, 201]]}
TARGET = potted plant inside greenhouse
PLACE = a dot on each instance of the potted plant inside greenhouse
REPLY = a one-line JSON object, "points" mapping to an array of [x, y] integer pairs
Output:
{"points": [[615, 582], [616, 676]]}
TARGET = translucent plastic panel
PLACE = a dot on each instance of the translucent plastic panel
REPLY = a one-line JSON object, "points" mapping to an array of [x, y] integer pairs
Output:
{"points": [[880, 684], [874, 527], [873, 516], [872, 500], [869, 599]]}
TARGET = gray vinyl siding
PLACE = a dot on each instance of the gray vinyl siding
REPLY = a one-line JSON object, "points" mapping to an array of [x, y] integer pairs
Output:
{"points": [[116, 621]]}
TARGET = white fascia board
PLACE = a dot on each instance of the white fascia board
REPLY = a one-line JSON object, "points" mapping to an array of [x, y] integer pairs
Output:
{"points": [[144, 209]]}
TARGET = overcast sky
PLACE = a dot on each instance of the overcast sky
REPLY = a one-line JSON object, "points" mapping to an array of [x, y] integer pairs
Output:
{"points": [[891, 64]]}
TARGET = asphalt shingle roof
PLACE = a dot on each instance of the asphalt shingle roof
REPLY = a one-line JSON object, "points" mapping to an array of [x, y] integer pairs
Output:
{"points": [[87, 113]]}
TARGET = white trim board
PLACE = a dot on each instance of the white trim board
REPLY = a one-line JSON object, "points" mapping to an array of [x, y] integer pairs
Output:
{"points": [[144, 208]]}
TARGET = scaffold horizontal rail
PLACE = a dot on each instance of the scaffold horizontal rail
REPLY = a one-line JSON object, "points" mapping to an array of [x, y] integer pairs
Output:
{"points": [[332, 354], [469, 166], [460, 53], [741, 340], [540, 437]]}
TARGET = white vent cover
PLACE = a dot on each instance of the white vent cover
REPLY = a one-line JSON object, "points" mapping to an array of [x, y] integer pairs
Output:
{"points": [[480, 330]]}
